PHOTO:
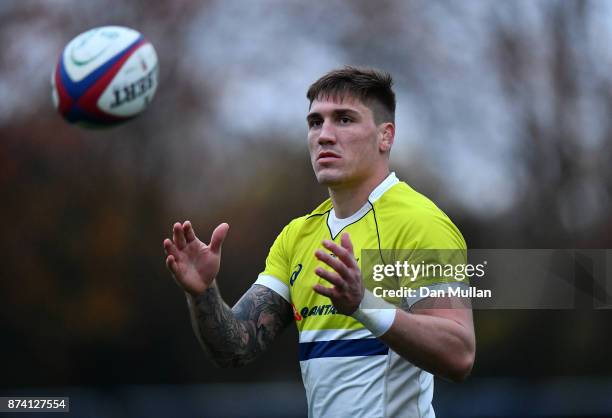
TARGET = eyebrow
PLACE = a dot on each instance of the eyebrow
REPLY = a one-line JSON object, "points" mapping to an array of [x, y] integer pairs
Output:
{"points": [[336, 112]]}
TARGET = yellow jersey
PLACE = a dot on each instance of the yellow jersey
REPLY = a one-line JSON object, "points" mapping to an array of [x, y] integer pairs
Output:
{"points": [[345, 369]]}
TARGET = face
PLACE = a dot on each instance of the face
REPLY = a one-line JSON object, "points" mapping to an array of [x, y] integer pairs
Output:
{"points": [[346, 146]]}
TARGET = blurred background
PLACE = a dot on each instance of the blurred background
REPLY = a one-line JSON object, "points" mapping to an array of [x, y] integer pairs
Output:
{"points": [[503, 119]]}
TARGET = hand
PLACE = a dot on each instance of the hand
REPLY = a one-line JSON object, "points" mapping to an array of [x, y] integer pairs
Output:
{"points": [[347, 291], [193, 264]]}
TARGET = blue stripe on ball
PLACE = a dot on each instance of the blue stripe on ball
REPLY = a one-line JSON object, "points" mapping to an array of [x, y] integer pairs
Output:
{"points": [[76, 90]]}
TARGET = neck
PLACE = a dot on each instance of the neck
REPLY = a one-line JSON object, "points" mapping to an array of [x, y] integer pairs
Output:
{"points": [[349, 198]]}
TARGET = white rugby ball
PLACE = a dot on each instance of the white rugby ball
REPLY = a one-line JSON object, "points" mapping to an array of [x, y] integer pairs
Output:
{"points": [[105, 76]]}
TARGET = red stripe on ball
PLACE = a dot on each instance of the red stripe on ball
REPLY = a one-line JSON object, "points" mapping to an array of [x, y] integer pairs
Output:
{"points": [[89, 100], [64, 100]]}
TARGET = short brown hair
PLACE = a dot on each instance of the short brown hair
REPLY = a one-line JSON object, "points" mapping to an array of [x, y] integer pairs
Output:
{"points": [[371, 86]]}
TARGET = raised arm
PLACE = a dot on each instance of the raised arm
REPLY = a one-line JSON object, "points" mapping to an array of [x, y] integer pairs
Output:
{"points": [[437, 334], [231, 337], [234, 337]]}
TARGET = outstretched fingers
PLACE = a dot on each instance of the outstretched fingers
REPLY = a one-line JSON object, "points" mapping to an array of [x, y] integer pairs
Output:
{"points": [[189, 232], [218, 236], [346, 243], [335, 263], [170, 248], [178, 236], [342, 253], [171, 264], [330, 292], [172, 254], [332, 277]]}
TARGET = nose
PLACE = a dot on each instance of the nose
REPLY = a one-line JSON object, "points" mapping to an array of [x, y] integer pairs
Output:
{"points": [[327, 133]]}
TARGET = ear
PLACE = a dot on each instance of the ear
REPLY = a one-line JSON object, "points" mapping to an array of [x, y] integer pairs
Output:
{"points": [[386, 132]]}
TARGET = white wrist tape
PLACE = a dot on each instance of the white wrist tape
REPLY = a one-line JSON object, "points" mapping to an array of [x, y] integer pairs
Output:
{"points": [[375, 314]]}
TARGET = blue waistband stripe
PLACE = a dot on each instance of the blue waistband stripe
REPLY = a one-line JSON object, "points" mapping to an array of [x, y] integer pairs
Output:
{"points": [[343, 348]]}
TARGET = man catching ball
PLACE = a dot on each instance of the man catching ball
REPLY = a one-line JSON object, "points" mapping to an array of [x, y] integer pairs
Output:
{"points": [[360, 356]]}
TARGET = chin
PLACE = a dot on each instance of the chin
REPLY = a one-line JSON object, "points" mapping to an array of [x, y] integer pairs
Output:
{"points": [[328, 178]]}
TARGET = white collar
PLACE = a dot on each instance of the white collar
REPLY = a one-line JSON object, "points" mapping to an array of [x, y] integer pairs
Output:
{"points": [[336, 224], [390, 181]]}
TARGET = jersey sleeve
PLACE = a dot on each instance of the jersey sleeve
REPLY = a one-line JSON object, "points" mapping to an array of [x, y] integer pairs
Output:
{"points": [[440, 257], [277, 271]]}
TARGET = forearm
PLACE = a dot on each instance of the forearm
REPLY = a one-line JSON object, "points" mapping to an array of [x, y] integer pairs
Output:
{"points": [[234, 337], [222, 336], [439, 345]]}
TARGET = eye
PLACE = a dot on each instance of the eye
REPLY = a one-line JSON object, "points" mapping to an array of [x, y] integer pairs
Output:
{"points": [[314, 123], [345, 120]]}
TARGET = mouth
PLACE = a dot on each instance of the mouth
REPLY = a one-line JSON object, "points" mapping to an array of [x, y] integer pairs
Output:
{"points": [[327, 156]]}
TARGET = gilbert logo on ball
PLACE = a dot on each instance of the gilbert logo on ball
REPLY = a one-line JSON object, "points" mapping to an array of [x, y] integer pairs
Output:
{"points": [[105, 76]]}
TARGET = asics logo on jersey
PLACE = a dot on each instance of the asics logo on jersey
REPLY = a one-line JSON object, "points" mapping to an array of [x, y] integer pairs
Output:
{"points": [[295, 274]]}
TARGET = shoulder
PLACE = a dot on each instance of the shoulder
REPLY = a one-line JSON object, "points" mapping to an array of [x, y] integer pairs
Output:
{"points": [[299, 225], [321, 210], [415, 216]]}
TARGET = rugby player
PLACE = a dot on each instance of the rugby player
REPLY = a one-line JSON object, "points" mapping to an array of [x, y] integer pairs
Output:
{"points": [[360, 357]]}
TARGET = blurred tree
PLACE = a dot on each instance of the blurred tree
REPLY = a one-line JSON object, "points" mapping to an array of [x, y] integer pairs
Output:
{"points": [[502, 119]]}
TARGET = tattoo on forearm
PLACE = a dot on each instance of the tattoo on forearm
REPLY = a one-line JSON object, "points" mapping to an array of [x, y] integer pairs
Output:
{"points": [[234, 337]]}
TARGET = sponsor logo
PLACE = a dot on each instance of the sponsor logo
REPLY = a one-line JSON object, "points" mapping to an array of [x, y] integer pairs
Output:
{"points": [[134, 90], [317, 310], [93, 54], [296, 314]]}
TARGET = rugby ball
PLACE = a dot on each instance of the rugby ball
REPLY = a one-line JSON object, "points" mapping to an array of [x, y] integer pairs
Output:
{"points": [[105, 76]]}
